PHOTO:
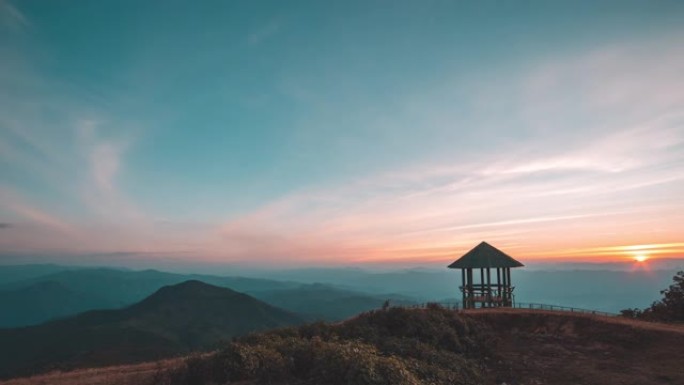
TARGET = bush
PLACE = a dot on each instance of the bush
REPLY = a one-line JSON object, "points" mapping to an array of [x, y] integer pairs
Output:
{"points": [[394, 346], [631, 313]]}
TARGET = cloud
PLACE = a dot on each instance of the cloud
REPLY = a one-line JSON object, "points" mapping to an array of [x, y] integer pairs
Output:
{"points": [[6, 225], [102, 192], [592, 156], [601, 161], [62, 162], [11, 18], [14, 202], [105, 159], [264, 32]]}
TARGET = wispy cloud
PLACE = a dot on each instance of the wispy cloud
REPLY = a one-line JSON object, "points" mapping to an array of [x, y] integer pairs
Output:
{"points": [[264, 32], [593, 155], [14, 202], [104, 159], [604, 180], [60, 181], [11, 18]]}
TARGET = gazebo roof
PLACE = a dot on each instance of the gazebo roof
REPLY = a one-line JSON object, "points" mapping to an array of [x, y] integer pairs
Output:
{"points": [[484, 255]]}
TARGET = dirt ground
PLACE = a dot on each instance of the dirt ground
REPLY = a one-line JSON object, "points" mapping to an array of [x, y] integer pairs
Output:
{"points": [[537, 347]]}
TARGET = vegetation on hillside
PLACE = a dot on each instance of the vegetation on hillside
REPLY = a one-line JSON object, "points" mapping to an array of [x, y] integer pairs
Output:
{"points": [[419, 346], [668, 309], [393, 346]]}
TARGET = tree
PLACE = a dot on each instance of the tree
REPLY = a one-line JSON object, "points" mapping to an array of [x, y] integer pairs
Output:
{"points": [[669, 309], [631, 313]]}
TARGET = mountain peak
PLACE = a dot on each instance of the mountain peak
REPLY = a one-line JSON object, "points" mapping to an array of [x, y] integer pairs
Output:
{"points": [[191, 290]]}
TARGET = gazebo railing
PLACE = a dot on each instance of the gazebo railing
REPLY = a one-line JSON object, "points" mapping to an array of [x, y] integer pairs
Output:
{"points": [[540, 306], [518, 305]]}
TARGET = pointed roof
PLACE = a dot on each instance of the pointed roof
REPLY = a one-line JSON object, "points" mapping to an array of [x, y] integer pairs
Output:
{"points": [[484, 255]]}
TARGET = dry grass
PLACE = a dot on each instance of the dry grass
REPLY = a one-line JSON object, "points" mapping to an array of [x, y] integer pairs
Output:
{"points": [[139, 374]]}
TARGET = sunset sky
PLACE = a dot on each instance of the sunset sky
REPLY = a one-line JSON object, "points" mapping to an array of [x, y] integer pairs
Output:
{"points": [[293, 133]]}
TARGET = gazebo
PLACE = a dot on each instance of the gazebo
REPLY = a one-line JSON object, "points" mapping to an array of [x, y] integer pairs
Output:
{"points": [[486, 293]]}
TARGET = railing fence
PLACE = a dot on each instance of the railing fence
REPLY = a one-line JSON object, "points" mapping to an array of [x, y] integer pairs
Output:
{"points": [[517, 305]]}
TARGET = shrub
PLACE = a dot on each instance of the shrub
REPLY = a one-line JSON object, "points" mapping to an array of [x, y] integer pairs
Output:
{"points": [[394, 346]]}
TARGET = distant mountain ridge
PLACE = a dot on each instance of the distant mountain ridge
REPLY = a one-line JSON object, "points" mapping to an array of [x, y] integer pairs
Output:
{"points": [[331, 303], [129, 286], [86, 289], [174, 320], [44, 300], [15, 273]]}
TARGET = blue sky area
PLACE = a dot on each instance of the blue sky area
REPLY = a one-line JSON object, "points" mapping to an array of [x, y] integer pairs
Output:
{"points": [[341, 133]]}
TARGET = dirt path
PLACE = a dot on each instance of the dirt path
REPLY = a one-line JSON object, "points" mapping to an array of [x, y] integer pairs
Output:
{"points": [[544, 347], [676, 328], [140, 374]]}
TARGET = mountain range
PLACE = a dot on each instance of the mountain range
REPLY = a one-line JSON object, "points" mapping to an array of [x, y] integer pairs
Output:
{"points": [[31, 294], [45, 300], [60, 293]]}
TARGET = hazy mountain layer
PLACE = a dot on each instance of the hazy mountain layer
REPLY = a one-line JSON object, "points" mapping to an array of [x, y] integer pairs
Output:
{"points": [[31, 301], [43, 301]]}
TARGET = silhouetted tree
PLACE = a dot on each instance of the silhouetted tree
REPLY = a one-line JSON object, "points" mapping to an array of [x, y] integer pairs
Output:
{"points": [[670, 308], [631, 313]]}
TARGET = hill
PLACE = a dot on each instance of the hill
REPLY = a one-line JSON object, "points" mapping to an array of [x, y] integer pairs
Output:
{"points": [[426, 346], [438, 346], [43, 301], [174, 320]]}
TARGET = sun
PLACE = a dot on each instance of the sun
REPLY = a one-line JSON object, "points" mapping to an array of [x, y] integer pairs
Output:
{"points": [[640, 258]]}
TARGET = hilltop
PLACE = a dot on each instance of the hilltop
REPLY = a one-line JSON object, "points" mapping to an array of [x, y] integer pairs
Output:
{"points": [[174, 320], [427, 346]]}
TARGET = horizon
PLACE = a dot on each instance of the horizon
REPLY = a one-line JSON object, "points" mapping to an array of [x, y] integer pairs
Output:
{"points": [[606, 287], [282, 136], [256, 270]]}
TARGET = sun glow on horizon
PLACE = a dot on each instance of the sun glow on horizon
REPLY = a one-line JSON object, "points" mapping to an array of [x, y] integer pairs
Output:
{"points": [[641, 258]]}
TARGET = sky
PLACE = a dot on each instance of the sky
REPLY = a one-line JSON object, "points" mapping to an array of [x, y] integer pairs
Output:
{"points": [[345, 133]]}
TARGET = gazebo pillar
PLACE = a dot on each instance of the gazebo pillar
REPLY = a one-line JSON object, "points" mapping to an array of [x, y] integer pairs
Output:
{"points": [[470, 288], [489, 289], [498, 283], [464, 285], [507, 287], [504, 296]]}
